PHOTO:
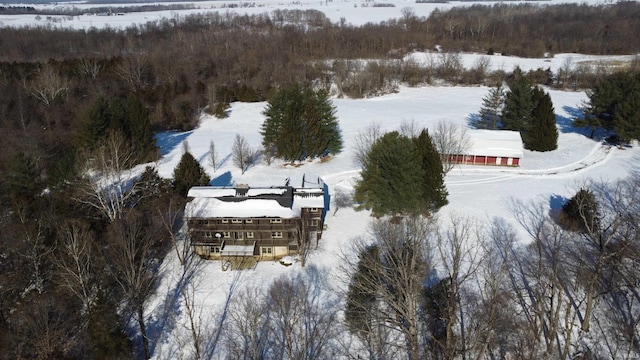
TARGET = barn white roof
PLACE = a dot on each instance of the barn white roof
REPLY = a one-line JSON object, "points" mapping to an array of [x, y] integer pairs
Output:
{"points": [[499, 143]]}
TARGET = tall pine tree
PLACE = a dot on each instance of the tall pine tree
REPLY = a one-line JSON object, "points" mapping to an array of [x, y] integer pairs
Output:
{"points": [[401, 176], [301, 123], [391, 177], [189, 173], [518, 105], [491, 108], [434, 192], [542, 133]]}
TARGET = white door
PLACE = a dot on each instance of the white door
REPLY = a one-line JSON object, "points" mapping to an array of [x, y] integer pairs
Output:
{"points": [[498, 160]]}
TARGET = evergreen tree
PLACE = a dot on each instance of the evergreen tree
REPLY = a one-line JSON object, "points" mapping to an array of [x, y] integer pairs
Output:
{"points": [[581, 212], [362, 293], [434, 192], [137, 127], [518, 106], [96, 125], [491, 108], [627, 119], [542, 133], [391, 177], [615, 102], [126, 115], [22, 179], [188, 173], [301, 123], [105, 331]]}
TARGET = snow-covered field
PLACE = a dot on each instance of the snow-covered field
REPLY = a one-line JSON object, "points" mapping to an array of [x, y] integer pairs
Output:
{"points": [[354, 12], [479, 192]]}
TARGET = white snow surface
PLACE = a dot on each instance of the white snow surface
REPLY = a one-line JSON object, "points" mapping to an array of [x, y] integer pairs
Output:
{"points": [[351, 12], [474, 191], [482, 193], [495, 143]]}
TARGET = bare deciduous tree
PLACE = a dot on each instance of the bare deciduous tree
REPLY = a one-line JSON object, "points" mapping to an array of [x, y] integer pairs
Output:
{"points": [[242, 154], [341, 199], [91, 67], [132, 256], [108, 183], [248, 331], [75, 262], [363, 142], [302, 316], [397, 276], [459, 249], [213, 156], [48, 85], [133, 70], [450, 140]]}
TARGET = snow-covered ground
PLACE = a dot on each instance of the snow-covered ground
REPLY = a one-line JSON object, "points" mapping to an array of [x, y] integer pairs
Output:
{"points": [[354, 12], [479, 192]]}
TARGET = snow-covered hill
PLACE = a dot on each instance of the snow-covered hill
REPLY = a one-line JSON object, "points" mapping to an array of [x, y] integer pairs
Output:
{"points": [[480, 192]]}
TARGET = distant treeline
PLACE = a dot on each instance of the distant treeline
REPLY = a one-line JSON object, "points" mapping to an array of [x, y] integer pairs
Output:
{"points": [[73, 11]]}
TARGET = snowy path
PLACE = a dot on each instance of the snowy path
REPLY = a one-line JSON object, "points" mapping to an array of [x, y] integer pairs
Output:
{"points": [[600, 154], [472, 174]]}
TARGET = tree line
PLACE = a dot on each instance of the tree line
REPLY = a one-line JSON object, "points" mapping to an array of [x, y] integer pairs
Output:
{"points": [[417, 287], [83, 237]]}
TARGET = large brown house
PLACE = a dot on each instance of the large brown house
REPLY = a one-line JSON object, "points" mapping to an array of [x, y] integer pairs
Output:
{"points": [[260, 222]]}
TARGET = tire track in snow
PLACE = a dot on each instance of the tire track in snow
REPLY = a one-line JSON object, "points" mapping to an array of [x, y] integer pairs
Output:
{"points": [[600, 154]]}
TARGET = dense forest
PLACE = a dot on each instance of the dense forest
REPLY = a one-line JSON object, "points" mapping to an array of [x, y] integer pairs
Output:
{"points": [[78, 263]]}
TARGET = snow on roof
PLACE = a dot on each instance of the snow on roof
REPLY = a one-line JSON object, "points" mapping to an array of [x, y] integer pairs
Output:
{"points": [[500, 143], [308, 202], [211, 191], [266, 191], [202, 207], [243, 250]]}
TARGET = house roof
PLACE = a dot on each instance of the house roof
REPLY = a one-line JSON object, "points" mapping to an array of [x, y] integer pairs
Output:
{"points": [[209, 207], [245, 202], [499, 143]]}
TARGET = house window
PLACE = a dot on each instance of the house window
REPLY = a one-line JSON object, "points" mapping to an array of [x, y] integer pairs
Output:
{"points": [[314, 222], [224, 221], [267, 251], [208, 234], [236, 221], [237, 235], [276, 221], [248, 221], [215, 249], [276, 234], [314, 209], [249, 234], [226, 234]]}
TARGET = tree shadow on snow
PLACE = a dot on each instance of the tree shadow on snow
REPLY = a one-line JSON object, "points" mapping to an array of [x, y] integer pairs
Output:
{"points": [[556, 202], [223, 180], [168, 140]]}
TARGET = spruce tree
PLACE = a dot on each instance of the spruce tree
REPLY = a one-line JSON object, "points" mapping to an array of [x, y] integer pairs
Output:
{"points": [[491, 108], [614, 101], [391, 177], [627, 119], [361, 298], [518, 105], [300, 123], [543, 132], [581, 212], [433, 191], [188, 173]]}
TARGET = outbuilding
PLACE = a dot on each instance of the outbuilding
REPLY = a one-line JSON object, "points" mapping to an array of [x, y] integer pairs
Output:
{"points": [[492, 147]]}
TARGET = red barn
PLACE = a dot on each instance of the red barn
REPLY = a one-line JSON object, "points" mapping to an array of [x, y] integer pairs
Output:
{"points": [[492, 147]]}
